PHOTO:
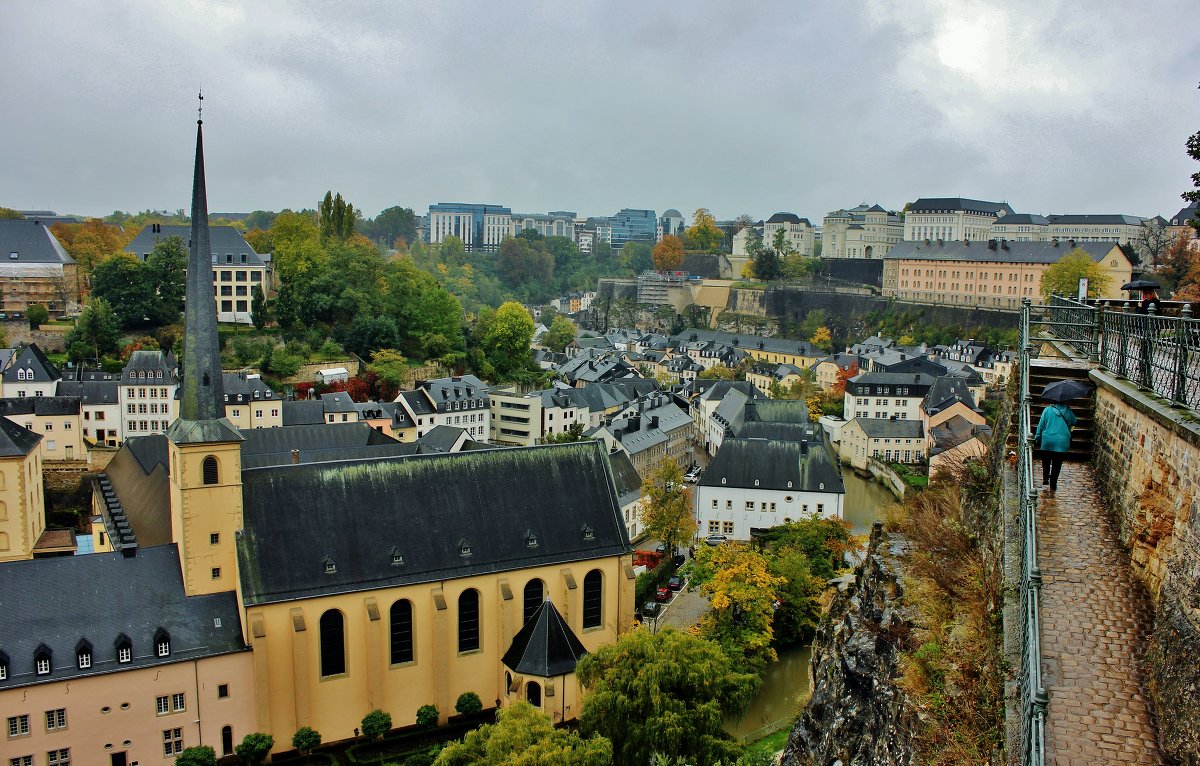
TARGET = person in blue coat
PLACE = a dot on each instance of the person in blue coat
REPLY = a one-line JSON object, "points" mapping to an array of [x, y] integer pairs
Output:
{"points": [[1054, 440]]}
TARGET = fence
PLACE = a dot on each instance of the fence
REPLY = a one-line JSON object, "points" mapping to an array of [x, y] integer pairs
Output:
{"points": [[1033, 696]]}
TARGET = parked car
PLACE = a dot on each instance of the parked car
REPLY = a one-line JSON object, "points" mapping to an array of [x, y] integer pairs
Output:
{"points": [[675, 583], [662, 594], [693, 475], [715, 540], [661, 548], [649, 609]]}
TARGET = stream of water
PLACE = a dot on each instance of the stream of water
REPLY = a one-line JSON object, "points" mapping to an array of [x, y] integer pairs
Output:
{"points": [[786, 684]]}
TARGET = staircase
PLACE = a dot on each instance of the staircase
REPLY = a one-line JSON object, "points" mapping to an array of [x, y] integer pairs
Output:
{"points": [[1043, 371]]}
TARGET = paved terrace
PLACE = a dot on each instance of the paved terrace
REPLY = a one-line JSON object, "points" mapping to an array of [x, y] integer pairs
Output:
{"points": [[1095, 618]]}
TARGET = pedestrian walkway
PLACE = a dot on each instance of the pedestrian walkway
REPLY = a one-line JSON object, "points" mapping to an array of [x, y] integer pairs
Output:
{"points": [[1095, 620]]}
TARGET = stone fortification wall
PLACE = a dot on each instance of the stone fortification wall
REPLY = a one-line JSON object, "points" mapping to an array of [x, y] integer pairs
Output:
{"points": [[794, 303], [1147, 459], [48, 338], [866, 271]]}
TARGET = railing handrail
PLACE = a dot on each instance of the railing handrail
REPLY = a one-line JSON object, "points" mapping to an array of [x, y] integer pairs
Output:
{"points": [[1034, 700]]}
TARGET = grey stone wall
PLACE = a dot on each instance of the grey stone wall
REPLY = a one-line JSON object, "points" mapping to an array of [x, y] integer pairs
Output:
{"points": [[1147, 460]]}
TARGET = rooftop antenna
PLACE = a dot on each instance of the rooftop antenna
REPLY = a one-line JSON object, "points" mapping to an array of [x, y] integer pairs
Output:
{"points": [[200, 108]]}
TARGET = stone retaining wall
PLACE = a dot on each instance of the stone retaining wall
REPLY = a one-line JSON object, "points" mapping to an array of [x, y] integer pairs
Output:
{"points": [[1147, 459]]}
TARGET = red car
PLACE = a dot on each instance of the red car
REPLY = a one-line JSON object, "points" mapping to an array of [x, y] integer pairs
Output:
{"points": [[662, 594]]}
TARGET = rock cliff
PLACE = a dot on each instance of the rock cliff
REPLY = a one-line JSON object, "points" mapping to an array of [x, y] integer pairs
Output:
{"points": [[857, 715]]}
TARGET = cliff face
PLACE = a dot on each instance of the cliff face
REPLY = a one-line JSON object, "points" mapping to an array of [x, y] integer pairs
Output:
{"points": [[857, 716]]}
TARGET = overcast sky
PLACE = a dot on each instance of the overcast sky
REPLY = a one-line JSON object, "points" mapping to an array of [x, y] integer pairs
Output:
{"points": [[740, 107]]}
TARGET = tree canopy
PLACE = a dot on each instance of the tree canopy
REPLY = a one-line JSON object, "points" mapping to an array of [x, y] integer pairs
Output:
{"points": [[503, 336], [524, 736], [668, 254], [336, 216], [704, 234], [663, 693], [667, 511], [559, 334], [1062, 278]]}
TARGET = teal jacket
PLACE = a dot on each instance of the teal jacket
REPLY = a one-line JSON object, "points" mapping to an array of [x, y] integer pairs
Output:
{"points": [[1054, 428]]}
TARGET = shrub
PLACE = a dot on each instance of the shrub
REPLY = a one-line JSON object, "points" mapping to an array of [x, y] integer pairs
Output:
{"points": [[37, 314], [468, 703], [202, 755], [255, 746], [376, 723], [427, 716], [306, 739], [423, 758]]}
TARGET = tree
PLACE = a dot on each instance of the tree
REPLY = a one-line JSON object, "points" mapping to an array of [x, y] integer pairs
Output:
{"points": [[37, 314], [166, 270], [636, 257], [367, 334], [201, 755], [259, 313], [766, 265], [391, 368], [394, 226], [822, 339], [96, 332], [743, 592], [336, 217], [376, 723], [1062, 278], [1152, 241], [663, 693], [90, 242], [668, 254], [1193, 151], [704, 234], [843, 375], [781, 243], [128, 287], [507, 338], [8, 214], [561, 332], [255, 746], [306, 739], [667, 511], [573, 433], [427, 716], [468, 704], [1177, 263], [524, 736]]}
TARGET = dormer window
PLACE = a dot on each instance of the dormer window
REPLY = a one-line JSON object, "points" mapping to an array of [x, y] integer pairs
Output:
{"points": [[124, 649], [587, 532], [162, 643], [464, 547], [397, 557], [83, 654], [789, 485], [756, 482], [531, 540], [41, 660], [329, 565], [3, 666]]}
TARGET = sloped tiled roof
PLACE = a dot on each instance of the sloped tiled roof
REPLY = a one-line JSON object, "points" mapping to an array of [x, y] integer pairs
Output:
{"points": [[545, 646], [771, 465]]}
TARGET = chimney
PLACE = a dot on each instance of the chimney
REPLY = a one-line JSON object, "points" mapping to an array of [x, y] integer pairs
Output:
{"points": [[654, 421], [295, 457], [991, 244], [1004, 244], [1071, 243]]}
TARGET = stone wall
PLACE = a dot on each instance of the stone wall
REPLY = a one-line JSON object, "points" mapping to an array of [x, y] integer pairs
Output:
{"points": [[48, 338], [794, 303], [867, 271], [1147, 459], [857, 715]]}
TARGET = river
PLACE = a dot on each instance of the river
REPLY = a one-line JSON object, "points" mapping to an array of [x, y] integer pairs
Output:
{"points": [[786, 684]]}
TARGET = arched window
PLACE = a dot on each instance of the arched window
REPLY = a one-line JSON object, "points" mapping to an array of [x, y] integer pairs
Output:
{"points": [[535, 593], [209, 470], [402, 632], [593, 599], [533, 693], [468, 621], [333, 644], [226, 740]]}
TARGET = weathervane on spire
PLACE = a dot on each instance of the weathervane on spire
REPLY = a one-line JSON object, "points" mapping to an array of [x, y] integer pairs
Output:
{"points": [[200, 109]]}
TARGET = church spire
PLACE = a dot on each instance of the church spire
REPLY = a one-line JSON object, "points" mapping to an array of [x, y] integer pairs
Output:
{"points": [[201, 396]]}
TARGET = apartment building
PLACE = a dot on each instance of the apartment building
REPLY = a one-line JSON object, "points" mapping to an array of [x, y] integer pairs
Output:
{"points": [[1022, 227], [952, 218], [99, 393], [29, 373], [798, 232], [525, 419], [481, 227], [556, 223], [1122, 229], [461, 400], [146, 393], [59, 419], [884, 395], [865, 231]]}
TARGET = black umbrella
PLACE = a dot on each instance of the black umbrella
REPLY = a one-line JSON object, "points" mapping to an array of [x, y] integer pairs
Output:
{"points": [[1140, 284], [1065, 390]]}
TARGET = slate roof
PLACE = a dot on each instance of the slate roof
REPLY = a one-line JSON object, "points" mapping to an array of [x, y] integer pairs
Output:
{"points": [[886, 428], [779, 411], [459, 388], [954, 432], [151, 362], [1186, 214], [224, 241], [545, 646], [303, 412], [442, 438], [203, 431], [784, 218], [417, 402], [944, 392], [32, 242], [628, 482], [58, 601], [90, 392], [32, 358], [1010, 252], [16, 440], [317, 443], [362, 514], [912, 379], [783, 432], [937, 204], [1091, 219], [248, 388], [138, 477], [1024, 218], [748, 342], [741, 462], [337, 402], [40, 405]]}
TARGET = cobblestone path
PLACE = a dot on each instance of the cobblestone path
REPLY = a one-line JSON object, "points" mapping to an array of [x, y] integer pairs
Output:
{"points": [[1095, 619]]}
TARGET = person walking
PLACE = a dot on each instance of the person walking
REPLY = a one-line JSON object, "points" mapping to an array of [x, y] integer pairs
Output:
{"points": [[1054, 440]]}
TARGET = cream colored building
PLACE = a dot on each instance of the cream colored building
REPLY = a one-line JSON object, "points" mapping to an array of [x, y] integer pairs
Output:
{"points": [[22, 505], [1022, 227], [988, 274], [798, 233], [952, 219], [251, 403], [59, 419], [866, 231], [1122, 229]]}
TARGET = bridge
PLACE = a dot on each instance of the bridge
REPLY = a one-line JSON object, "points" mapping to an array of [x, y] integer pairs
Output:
{"points": [[1112, 557]]}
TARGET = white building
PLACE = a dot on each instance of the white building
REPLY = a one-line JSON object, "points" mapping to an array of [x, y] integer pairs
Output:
{"points": [[147, 393], [866, 231], [760, 483], [885, 395], [952, 219], [99, 392], [798, 232], [461, 400], [28, 373]]}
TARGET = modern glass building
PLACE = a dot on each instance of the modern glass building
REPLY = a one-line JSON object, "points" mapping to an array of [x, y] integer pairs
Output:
{"points": [[479, 226], [635, 225]]}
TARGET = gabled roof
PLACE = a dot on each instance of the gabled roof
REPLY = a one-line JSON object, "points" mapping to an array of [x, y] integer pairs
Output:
{"points": [[91, 392], [774, 465], [338, 401], [784, 218], [914, 379], [944, 392], [150, 362], [955, 431], [626, 478], [203, 431], [16, 440], [32, 242], [447, 516], [56, 602], [780, 411], [937, 204], [227, 244], [248, 387], [1009, 251], [40, 405], [886, 428], [137, 477], [545, 646], [32, 360], [316, 443], [303, 412], [443, 438]]}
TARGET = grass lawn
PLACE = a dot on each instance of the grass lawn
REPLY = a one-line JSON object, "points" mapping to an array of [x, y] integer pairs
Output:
{"points": [[770, 744]]}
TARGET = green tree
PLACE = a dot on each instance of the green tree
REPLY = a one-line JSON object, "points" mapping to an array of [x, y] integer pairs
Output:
{"points": [[704, 234], [453, 251], [8, 214], [367, 334], [427, 716], [667, 511], [201, 755], [391, 367], [663, 693], [255, 746], [524, 736], [336, 217], [37, 315], [668, 254], [468, 704], [1193, 195], [1062, 278], [636, 257], [781, 243], [306, 739], [393, 227], [376, 723], [260, 314], [799, 610], [166, 270], [766, 265], [560, 333], [96, 332], [128, 287], [573, 433], [506, 340]]}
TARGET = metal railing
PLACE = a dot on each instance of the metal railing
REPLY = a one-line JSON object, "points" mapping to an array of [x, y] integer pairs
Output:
{"points": [[1076, 323], [1033, 698]]}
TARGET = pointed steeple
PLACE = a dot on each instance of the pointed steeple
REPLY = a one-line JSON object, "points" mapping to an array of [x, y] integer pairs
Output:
{"points": [[201, 396]]}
